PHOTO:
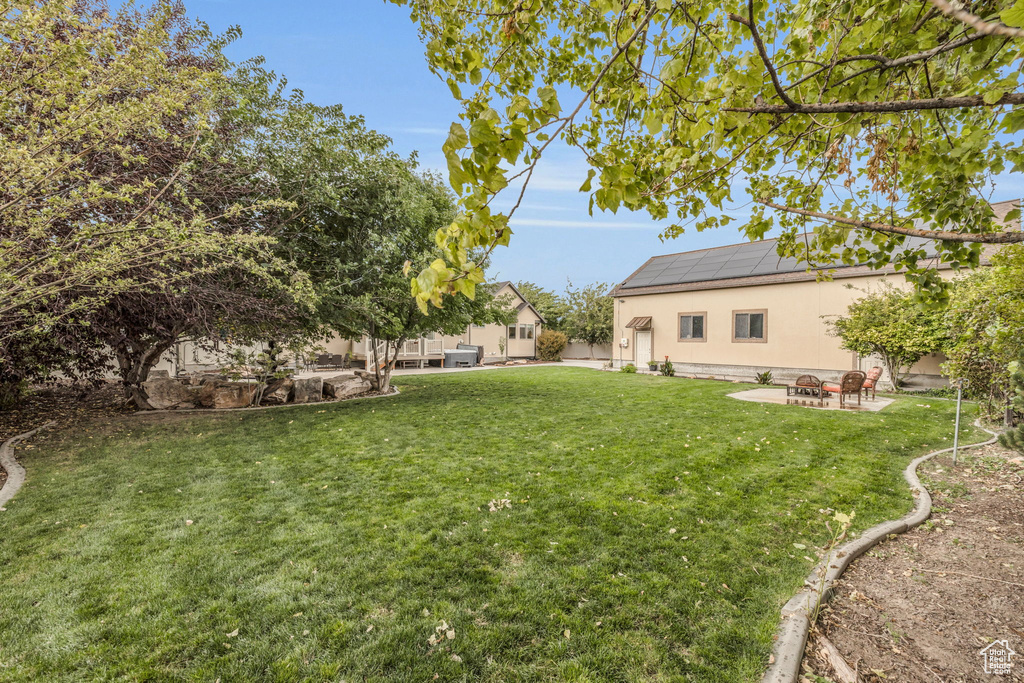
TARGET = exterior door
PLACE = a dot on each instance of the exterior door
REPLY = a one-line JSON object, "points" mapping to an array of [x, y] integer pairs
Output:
{"points": [[643, 348]]}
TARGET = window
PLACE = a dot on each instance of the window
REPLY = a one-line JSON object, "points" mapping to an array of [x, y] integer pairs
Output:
{"points": [[749, 326], [691, 326], [526, 331], [511, 331]]}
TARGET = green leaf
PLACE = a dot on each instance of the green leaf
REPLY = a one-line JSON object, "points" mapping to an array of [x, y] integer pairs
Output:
{"points": [[1014, 16]]}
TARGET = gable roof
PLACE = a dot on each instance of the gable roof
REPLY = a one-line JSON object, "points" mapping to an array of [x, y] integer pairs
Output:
{"points": [[498, 286]]}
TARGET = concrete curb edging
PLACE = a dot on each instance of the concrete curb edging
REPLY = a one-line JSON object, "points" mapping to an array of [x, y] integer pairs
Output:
{"points": [[15, 472], [788, 651]]}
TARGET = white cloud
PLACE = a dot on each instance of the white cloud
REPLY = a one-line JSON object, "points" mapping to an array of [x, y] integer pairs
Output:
{"points": [[588, 225]]}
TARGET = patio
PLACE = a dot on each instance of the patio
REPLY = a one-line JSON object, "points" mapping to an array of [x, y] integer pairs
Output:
{"points": [[778, 396]]}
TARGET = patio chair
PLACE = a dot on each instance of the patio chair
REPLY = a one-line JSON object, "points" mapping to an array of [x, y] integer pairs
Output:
{"points": [[324, 360], [850, 384], [337, 360], [808, 385], [874, 374]]}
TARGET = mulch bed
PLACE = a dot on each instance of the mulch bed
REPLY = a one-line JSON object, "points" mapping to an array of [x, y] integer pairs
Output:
{"points": [[921, 606], [65, 405]]}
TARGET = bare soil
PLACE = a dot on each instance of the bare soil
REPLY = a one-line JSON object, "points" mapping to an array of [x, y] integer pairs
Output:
{"points": [[922, 606]]}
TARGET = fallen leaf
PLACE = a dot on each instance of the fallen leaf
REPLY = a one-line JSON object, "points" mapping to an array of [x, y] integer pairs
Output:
{"points": [[232, 634]]}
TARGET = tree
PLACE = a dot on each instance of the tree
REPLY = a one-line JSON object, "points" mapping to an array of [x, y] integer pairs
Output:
{"points": [[874, 121], [377, 303], [891, 323], [551, 306], [985, 319], [591, 314], [112, 143]]}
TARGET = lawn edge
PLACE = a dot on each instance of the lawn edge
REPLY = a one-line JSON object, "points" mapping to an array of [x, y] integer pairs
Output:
{"points": [[227, 411], [10, 464], [796, 615]]}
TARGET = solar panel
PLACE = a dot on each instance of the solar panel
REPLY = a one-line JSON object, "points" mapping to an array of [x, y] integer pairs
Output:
{"points": [[721, 263]]}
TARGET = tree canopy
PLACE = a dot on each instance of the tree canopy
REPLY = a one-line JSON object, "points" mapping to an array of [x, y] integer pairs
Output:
{"points": [[850, 126]]}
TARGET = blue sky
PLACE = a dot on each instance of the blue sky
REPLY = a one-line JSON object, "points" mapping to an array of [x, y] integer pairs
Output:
{"points": [[366, 55]]}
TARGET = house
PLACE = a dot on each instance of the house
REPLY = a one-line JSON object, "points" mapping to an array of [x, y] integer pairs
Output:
{"points": [[520, 341], [520, 338], [733, 311]]}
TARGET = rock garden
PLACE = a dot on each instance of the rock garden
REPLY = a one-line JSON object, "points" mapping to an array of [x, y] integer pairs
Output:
{"points": [[215, 391]]}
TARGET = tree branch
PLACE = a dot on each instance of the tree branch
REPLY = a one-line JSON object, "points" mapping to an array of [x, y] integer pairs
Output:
{"points": [[749, 23], [1009, 237], [988, 28], [882, 107]]}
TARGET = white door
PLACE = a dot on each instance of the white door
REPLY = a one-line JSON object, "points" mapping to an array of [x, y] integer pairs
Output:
{"points": [[643, 348]]}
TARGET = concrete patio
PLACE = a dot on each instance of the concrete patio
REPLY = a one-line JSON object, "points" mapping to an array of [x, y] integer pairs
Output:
{"points": [[778, 395]]}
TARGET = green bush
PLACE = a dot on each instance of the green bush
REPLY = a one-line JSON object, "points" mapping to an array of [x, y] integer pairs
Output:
{"points": [[628, 368], [550, 345], [667, 368], [764, 377]]}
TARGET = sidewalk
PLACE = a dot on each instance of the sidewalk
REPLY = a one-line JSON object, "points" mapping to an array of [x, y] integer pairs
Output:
{"points": [[398, 372]]}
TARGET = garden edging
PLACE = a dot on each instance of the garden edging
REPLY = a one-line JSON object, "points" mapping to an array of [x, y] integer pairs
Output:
{"points": [[15, 472], [796, 622]]}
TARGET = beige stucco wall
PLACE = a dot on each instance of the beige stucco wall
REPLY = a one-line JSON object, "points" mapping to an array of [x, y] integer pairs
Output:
{"points": [[488, 335], [797, 335]]}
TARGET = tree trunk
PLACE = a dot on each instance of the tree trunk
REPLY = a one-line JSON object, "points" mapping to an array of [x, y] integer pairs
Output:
{"points": [[893, 366], [135, 363]]}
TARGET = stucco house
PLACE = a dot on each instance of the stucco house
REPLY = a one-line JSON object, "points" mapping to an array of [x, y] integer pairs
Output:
{"points": [[733, 311], [520, 342], [520, 338]]}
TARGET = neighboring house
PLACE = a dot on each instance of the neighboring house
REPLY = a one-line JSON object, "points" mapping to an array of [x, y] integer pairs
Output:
{"points": [[736, 310], [520, 338], [520, 342]]}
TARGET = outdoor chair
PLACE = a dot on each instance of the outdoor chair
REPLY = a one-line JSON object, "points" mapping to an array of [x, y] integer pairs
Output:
{"points": [[323, 360], [850, 384], [806, 385], [874, 374]]}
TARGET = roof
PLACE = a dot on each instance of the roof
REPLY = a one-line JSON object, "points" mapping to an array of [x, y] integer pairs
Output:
{"points": [[743, 265], [498, 286], [642, 322]]}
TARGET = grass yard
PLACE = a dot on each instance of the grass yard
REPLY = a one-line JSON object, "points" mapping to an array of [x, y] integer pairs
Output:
{"points": [[649, 533]]}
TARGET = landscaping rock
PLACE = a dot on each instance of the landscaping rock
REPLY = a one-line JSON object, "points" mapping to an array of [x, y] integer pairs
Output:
{"points": [[159, 374], [278, 391], [221, 394], [308, 390], [233, 395], [369, 377], [166, 394], [344, 386]]}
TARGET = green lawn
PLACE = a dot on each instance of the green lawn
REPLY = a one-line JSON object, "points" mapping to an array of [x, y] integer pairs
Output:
{"points": [[336, 539]]}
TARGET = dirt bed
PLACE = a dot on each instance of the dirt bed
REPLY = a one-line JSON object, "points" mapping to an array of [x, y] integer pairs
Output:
{"points": [[923, 606]]}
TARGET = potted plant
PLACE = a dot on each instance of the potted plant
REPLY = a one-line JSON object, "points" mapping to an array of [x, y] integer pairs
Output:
{"points": [[652, 365]]}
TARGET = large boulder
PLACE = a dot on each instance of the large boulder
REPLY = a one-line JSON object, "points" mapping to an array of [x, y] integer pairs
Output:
{"points": [[369, 377], [159, 374], [344, 386], [222, 394], [307, 389], [166, 394], [278, 391]]}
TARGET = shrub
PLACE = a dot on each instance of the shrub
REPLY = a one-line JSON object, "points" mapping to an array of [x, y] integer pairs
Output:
{"points": [[550, 345], [667, 369], [765, 377], [1014, 437], [628, 368]]}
